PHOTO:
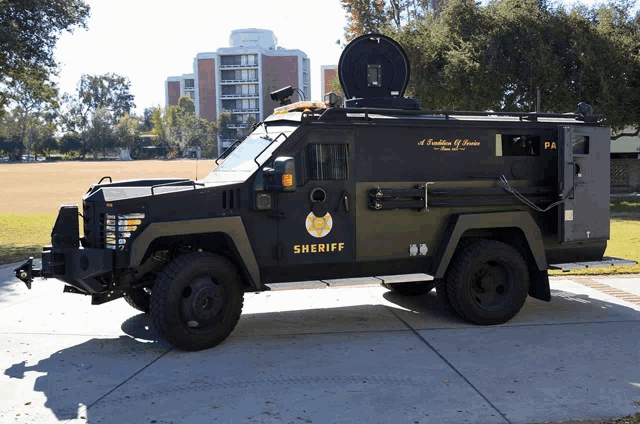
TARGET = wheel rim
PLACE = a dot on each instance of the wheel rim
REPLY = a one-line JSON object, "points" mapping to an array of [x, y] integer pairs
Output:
{"points": [[203, 303], [492, 283]]}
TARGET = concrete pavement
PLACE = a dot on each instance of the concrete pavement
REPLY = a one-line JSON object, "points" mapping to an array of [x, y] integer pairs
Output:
{"points": [[347, 355]]}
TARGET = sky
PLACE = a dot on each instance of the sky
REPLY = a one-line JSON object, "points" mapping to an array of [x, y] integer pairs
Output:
{"points": [[150, 40]]}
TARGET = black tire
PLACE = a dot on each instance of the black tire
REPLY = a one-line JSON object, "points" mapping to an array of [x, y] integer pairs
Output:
{"points": [[196, 301], [441, 291], [414, 288], [139, 299], [441, 283], [487, 282]]}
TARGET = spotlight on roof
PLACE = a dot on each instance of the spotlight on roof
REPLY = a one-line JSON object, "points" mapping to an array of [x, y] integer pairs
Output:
{"points": [[282, 95]]}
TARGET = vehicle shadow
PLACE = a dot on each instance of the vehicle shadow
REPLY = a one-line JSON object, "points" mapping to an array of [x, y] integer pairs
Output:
{"points": [[87, 373], [81, 375], [565, 307]]}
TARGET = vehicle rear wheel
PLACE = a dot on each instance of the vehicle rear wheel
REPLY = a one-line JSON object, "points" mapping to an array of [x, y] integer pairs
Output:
{"points": [[414, 288], [441, 291], [487, 282], [139, 299], [196, 301]]}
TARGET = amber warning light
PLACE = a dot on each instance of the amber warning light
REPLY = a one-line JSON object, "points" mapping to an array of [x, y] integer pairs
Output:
{"points": [[287, 180]]}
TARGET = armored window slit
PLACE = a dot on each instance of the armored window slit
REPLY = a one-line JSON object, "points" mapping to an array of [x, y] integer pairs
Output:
{"points": [[325, 162]]}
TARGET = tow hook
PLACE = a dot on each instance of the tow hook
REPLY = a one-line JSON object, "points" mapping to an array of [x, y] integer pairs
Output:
{"points": [[26, 273]]}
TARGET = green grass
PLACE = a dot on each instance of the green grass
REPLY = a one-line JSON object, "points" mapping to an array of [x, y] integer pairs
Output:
{"points": [[23, 235], [624, 241], [625, 205]]}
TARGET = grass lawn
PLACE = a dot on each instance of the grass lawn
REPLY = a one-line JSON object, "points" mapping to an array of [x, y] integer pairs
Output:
{"points": [[31, 195], [624, 241], [23, 235]]}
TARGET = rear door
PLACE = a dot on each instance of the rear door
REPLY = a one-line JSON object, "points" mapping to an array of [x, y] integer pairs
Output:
{"points": [[584, 183]]}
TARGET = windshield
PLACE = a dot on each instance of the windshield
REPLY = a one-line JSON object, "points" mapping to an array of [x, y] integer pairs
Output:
{"points": [[241, 163]]}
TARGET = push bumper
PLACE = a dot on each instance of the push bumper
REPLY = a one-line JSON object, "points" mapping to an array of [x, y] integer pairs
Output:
{"points": [[76, 266]]}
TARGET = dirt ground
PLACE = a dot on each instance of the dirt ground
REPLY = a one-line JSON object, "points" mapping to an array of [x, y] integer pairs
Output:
{"points": [[43, 187]]}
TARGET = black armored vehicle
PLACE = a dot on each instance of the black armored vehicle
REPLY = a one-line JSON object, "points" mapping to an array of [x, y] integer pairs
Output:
{"points": [[479, 205]]}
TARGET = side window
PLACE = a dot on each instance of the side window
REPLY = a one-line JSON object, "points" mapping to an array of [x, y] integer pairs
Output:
{"points": [[517, 145], [323, 162], [580, 144]]}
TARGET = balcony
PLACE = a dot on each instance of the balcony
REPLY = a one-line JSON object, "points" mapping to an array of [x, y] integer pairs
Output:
{"points": [[238, 125], [238, 96], [245, 66], [227, 142], [254, 110], [238, 81]]}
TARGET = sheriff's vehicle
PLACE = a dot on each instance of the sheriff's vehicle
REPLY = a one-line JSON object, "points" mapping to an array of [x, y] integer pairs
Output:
{"points": [[478, 205]]}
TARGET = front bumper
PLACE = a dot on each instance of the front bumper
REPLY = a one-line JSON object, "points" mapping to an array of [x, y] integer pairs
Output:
{"points": [[66, 260], [77, 266]]}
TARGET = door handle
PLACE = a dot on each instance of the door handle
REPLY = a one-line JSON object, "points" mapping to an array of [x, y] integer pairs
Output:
{"points": [[344, 198]]}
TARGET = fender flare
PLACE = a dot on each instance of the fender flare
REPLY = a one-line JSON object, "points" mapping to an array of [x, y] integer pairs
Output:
{"points": [[231, 226], [459, 223]]}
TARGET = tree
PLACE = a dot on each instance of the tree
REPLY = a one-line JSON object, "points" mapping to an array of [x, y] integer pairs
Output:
{"points": [[109, 92], [99, 136], [11, 136], [336, 87], [45, 145], [147, 120], [224, 131], [127, 132], [160, 126], [186, 104], [29, 31], [364, 16], [375, 16], [72, 144], [34, 104], [496, 56]]}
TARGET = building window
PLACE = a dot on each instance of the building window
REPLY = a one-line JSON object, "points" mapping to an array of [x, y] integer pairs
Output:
{"points": [[188, 83]]}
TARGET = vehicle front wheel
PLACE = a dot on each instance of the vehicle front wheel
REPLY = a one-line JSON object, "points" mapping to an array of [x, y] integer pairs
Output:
{"points": [[487, 282], [139, 299], [196, 301], [414, 288]]}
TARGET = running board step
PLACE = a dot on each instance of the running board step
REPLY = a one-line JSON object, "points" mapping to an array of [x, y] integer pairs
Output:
{"points": [[604, 263], [350, 282]]}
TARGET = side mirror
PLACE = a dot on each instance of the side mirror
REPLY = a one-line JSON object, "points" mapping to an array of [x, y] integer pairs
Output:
{"points": [[282, 177]]}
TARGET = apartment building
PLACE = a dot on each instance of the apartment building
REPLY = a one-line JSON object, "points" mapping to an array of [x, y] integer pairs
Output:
{"points": [[240, 78], [176, 87]]}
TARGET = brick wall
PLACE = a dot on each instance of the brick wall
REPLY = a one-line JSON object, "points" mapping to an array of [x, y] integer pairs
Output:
{"points": [[173, 92], [278, 72], [207, 88]]}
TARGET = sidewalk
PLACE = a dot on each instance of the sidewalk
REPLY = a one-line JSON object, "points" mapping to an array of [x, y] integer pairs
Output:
{"points": [[348, 355]]}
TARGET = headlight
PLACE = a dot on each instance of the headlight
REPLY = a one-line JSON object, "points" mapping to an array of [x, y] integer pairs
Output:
{"points": [[125, 225]]}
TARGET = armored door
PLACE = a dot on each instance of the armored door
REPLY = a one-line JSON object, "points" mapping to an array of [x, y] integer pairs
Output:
{"points": [[584, 184], [316, 224]]}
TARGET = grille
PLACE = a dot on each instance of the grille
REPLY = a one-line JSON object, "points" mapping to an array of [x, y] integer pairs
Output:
{"points": [[231, 199], [101, 231]]}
